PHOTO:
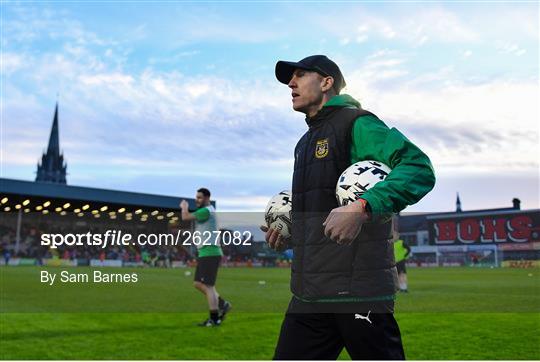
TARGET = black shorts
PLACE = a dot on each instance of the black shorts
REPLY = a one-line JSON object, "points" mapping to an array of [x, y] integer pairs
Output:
{"points": [[400, 265], [207, 268], [322, 336]]}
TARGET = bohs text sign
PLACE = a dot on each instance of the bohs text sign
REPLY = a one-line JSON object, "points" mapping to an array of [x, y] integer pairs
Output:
{"points": [[484, 228]]}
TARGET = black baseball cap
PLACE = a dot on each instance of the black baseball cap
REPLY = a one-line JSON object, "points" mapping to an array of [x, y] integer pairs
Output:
{"points": [[316, 63]]}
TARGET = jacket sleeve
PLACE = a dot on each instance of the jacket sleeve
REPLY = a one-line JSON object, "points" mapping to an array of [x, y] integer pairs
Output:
{"points": [[412, 175]]}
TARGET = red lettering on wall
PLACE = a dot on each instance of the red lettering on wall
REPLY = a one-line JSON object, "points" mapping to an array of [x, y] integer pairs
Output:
{"points": [[469, 231], [520, 228], [445, 232], [493, 230]]}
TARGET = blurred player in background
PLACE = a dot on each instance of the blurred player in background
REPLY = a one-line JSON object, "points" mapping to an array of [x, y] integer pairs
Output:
{"points": [[208, 257], [401, 253]]}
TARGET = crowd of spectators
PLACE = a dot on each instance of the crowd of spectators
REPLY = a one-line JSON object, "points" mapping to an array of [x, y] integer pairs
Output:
{"points": [[30, 247]]}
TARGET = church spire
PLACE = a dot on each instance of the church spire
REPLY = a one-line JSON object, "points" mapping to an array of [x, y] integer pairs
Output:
{"points": [[52, 167], [458, 203], [54, 141]]}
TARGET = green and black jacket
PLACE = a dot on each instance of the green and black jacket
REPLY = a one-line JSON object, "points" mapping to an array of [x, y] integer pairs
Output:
{"points": [[340, 134]]}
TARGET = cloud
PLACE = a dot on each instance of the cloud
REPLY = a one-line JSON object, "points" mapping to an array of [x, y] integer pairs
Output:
{"points": [[11, 62], [142, 121], [509, 48], [106, 79], [481, 191], [431, 23], [382, 65], [361, 38], [462, 125], [438, 24], [448, 24], [29, 24], [345, 41], [174, 58]]}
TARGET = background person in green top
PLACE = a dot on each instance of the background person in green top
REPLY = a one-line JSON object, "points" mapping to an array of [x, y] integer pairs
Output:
{"points": [[208, 258], [401, 253]]}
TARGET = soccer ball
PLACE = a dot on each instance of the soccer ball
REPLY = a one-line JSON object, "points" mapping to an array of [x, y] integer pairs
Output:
{"points": [[278, 213], [358, 178]]}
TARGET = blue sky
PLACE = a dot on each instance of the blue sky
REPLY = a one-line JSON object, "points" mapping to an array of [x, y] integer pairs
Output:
{"points": [[167, 97]]}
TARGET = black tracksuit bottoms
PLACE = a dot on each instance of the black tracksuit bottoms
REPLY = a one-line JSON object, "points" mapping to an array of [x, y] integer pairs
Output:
{"points": [[322, 336]]}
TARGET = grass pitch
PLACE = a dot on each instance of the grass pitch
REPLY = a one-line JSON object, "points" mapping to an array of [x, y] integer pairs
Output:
{"points": [[451, 313]]}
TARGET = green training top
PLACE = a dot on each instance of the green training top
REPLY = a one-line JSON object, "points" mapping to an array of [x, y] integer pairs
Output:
{"points": [[205, 220]]}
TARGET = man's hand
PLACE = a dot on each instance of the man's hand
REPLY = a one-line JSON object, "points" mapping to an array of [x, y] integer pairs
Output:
{"points": [[274, 239], [184, 206], [344, 223]]}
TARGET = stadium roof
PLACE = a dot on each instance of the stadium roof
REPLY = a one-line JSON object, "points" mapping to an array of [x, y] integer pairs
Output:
{"points": [[482, 212], [412, 222], [61, 191]]}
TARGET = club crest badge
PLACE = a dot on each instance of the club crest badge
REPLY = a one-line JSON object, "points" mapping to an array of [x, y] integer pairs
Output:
{"points": [[321, 149]]}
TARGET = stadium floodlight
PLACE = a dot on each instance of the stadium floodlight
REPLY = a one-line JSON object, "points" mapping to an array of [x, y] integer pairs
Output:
{"points": [[97, 216], [7, 208], [66, 205], [63, 213], [26, 202], [39, 208], [26, 210], [144, 215], [112, 217], [154, 213], [45, 212], [18, 206], [103, 208], [112, 212], [121, 210], [86, 207], [77, 211], [160, 217], [58, 209], [95, 212], [138, 211], [46, 204], [170, 214], [4, 200], [80, 214]]}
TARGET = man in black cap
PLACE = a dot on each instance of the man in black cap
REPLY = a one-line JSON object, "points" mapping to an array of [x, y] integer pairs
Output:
{"points": [[343, 274]]}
